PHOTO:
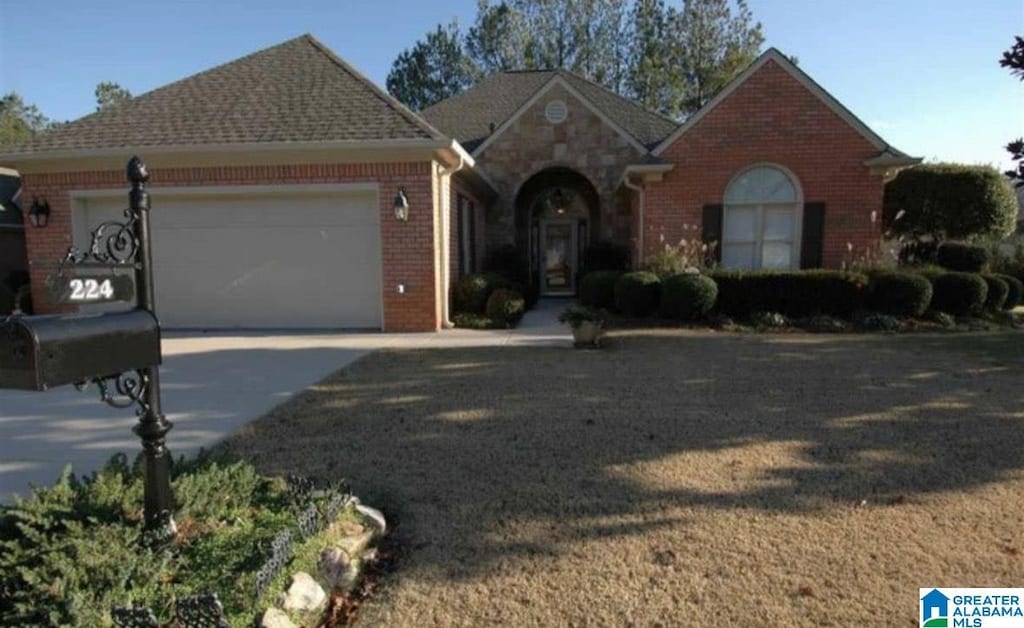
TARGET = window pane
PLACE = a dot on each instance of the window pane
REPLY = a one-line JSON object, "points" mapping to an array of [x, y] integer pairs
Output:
{"points": [[761, 185], [740, 224], [777, 255], [778, 224], [738, 256]]}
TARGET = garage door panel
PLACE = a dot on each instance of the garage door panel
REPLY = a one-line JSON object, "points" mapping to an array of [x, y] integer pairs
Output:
{"points": [[301, 261]]}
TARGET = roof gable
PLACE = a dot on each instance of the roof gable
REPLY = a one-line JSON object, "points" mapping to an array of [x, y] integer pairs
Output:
{"points": [[773, 55], [296, 91]]}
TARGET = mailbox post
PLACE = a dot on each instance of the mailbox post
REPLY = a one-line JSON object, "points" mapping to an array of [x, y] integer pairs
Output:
{"points": [[117, 351]]}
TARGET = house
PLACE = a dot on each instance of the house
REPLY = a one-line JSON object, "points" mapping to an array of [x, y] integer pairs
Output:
{"points": [[280, 183]]}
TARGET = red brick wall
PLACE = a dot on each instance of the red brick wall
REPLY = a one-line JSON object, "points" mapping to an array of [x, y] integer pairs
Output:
{"points": [[771, 118], [408, 248]]}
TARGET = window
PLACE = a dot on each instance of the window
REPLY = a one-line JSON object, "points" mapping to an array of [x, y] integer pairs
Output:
{"points": [[760, 222], [556, 112]]}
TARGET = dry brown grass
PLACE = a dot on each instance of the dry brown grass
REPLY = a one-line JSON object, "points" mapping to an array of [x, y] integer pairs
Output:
{"points": [[677, 478]]}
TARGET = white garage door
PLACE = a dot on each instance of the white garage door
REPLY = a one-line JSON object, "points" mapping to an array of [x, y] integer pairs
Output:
{"points": [[308, 260]]}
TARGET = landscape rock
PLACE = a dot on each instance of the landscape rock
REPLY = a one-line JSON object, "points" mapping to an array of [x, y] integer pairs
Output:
{"points": [[337, 569], [375, 516], [276, 618], [304, 594]]}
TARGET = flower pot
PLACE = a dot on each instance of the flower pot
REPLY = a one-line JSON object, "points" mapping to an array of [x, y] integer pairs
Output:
{"points": [[586, 334]]}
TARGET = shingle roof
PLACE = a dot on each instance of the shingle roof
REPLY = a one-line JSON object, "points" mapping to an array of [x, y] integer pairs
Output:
{"points": [[468, 116], [296, 91]]}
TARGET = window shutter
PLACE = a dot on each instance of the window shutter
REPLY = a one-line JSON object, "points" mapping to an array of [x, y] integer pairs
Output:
{"points": [[711, 231], [813, 236]]}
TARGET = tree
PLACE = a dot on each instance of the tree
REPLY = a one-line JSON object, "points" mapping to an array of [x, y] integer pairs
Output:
{"points": [[950, 201], [430, 71], [649, 79], [109, 94], [1014, 60], [18, 120], [498, 39], [711, 45]]}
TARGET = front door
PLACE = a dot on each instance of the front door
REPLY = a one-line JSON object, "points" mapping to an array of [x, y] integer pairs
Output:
{"points": [[558, 247]]}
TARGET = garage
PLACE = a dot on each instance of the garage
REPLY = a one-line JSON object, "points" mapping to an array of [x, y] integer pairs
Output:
{"points": [[258, 256]]}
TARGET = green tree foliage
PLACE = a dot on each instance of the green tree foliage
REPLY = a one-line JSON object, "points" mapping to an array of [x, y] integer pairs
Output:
{"points": [[950, 202], [1014, 60], [109, 94], [19, 121], [497, 42], [431, 71], [651, 80]]}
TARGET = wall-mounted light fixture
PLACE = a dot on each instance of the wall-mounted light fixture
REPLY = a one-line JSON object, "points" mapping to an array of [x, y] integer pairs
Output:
{"points": [[401, 205], [39, 212]]}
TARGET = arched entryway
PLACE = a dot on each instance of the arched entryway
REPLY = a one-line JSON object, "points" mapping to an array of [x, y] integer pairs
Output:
{"points": [[557, 214]]}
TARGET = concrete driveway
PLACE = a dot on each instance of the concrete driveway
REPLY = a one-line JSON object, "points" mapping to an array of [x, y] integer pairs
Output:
{"points": [[212, 384]]}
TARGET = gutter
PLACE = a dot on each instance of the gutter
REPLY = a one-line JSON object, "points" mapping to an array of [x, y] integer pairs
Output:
{"points": [[655, 170], [445, 226]]}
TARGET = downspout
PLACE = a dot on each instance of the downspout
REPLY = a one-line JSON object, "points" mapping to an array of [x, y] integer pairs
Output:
{"points": [[446, 244], [640, 217]]}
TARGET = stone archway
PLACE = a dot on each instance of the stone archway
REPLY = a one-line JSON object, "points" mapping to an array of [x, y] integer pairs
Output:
{"points": [[557, 215]]}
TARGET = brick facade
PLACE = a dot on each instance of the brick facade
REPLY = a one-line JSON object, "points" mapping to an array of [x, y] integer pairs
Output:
{"points": [[770, 119], [583, 143], [409, 249]]}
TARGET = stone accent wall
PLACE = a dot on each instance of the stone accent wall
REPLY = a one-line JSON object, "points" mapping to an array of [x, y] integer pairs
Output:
{"points": [[771, 118], [583, 142], [408, 249]]}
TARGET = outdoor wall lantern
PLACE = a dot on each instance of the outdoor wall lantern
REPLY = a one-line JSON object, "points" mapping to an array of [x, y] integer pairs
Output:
{"points": [[39, 213], [401, 205]]}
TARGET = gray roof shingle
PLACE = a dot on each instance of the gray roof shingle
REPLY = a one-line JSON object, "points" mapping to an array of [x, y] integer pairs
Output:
{"points": [[468, 116], [296, 91]]}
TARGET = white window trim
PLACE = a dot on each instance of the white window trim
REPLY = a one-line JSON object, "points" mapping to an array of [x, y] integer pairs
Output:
{"points": [[798, 216]]}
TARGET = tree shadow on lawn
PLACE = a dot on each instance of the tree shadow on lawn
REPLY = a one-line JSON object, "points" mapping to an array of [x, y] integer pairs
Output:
{"points": [[487, 454]]}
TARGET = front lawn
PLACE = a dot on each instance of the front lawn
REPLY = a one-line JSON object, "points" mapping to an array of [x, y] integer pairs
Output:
{"points": [[676, 477]]}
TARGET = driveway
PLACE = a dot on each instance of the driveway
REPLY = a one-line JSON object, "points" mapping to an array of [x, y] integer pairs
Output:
{"points": [[212, 384]]}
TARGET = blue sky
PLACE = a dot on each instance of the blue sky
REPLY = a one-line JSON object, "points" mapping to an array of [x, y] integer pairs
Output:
{"points": [[923, 73]]}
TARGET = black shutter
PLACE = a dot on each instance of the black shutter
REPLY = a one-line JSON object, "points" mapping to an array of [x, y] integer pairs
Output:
{"points": [[711, 231], [813, 236]]}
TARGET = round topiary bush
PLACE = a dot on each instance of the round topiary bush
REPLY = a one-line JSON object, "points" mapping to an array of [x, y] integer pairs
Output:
{"points": [[637, 293], [899, 293], [688, 297], [1015, 293], [962, 257], [998, 290], [931, 272], [505, 307], [598, 288], [472, 291], [959, 294]]}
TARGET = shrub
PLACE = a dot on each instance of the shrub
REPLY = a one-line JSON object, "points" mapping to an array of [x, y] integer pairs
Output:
{"points": [[931, 272], [998, 291], [918, 252], [899, 293], [1014, 293], [940, 318], [879, 322], [465, 320], [950, 201], [605, 255], [959, 294], [963, 257], [575, 315], [505, 307], [687, 256], [824, 324], [598, 288], [1010, 263], [637, 293], [796, 294], [472, 291], [688, 297], [769, 320]]}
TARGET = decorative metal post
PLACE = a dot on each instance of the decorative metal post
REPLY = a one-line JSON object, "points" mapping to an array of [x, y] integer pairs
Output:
{"points": [[153, 426]]}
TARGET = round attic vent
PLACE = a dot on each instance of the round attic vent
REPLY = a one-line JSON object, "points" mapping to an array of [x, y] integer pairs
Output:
{"points": [[556, 111]]}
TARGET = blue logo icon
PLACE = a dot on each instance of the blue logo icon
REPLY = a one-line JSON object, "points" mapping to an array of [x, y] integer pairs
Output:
{"points": [[935, 610]]}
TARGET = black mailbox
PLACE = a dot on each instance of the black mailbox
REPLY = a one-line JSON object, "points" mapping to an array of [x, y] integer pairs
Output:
{"points": [[40, 352]]}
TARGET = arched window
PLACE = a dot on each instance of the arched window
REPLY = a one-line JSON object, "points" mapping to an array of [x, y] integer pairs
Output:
{"points": [[761, 220]]}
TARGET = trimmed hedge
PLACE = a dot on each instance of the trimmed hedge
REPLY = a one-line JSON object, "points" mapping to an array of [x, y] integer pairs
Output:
{"points": [[688, 297], [472, 291], [505, 307], [899, 293], [931, 272], [637, 293], [597, 289], [796, 294], [998, 290], [1015, 291], [959, 294], [963, 257], [950, 201]]}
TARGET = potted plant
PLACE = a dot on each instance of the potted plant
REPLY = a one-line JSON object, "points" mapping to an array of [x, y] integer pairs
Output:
{"points": [[585, 323]]}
